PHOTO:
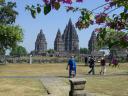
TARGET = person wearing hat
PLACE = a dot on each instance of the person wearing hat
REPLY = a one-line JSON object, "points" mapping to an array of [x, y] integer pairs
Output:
{"points": [[72, 67]]}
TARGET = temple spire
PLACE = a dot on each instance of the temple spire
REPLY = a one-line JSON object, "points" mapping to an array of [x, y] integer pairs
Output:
{"points": [[70, 38], [92, 42], [58, 43], [58, 33], [40, 44], [70, 22]]}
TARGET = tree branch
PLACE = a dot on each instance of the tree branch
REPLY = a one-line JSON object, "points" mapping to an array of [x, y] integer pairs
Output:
{"points": [[113, 10], [99, 7]]}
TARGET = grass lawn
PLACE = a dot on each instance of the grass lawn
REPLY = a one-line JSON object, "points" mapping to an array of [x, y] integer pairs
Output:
{"points": [[114, 83]]}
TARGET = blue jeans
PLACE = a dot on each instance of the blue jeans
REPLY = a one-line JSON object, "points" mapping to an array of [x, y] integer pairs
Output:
{"points": [[71, 70]]}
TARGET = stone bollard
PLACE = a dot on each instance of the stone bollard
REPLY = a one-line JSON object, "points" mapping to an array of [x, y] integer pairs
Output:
{"points": [[77, 87], [30, 59]]}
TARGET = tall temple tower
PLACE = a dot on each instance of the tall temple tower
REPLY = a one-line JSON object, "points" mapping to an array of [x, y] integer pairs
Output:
{"points": [[70, 38], [58, 43], [40, 44], [92, 42]]}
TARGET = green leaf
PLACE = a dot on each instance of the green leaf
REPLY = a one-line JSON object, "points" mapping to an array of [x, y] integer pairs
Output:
{"points": [[126, 6], [2, 1], [122, 14], [47, 9], [56, 5], [108, 19], [87, 16], [38, 9], [38, 5], [33, 13]]}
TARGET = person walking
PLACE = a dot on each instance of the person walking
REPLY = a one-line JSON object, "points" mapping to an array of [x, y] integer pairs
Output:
{"points": [[115, 62], [110, 57], [86, 60], [103, 66], [92, 66], [72, 67]]}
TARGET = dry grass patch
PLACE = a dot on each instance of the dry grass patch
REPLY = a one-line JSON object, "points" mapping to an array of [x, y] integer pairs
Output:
{"points": [[111, 85], [32, 70], [52, 69]]}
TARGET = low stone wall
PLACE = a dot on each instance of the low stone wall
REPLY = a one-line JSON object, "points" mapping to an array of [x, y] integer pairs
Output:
{"points": [[39, 60]]}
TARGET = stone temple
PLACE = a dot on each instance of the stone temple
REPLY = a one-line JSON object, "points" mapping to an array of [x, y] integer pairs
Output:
{"points": [[69, 41], [58, 43], [92, 42], [40, 44]]}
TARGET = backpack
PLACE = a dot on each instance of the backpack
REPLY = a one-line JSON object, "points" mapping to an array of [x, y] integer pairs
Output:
{"points": [[91, 63]]}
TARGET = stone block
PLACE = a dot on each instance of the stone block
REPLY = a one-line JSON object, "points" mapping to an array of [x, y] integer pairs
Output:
{"points": [[78, 93], [77, 84]]}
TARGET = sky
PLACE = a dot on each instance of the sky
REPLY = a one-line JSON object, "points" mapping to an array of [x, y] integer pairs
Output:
{"points": [[51, 23]]}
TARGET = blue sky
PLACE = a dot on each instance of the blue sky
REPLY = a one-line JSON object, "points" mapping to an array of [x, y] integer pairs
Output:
{"points": [[51, 23]]}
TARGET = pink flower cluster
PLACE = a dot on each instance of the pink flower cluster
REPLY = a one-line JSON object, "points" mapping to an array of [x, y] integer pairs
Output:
{"points": [[67, 1], [100, 18], [107, 0], [64, 1], [97, 30]]}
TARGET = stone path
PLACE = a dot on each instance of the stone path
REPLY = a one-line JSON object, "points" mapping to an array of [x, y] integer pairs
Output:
{"points": [[56, 86]]}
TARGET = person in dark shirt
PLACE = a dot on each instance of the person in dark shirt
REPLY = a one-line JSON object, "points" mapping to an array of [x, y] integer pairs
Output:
{"points": [[92, 66], [103, 66], [86, 60], [115, 62]]}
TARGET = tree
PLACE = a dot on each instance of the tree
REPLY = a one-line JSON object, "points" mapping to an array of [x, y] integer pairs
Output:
{"points": [[10, 35], [2, 52], [18, 51], [84, 51], [51, 51], [110, 38], [7, 13], [113, 40]]}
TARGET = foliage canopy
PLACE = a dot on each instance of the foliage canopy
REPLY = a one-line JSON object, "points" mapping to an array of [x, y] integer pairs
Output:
{"points": [[10, 35], [18, 51]]}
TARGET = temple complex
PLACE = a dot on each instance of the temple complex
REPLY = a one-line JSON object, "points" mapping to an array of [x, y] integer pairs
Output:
{"points": [[64, 44]]}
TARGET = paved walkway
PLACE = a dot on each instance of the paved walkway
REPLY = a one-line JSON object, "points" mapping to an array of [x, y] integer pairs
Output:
{"points": [[56, 86]]}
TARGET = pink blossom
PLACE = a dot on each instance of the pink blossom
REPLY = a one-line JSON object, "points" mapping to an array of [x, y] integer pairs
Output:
{"points": [[100, 18], [79, 0], [107, 7], [97, 30], [46, 1], [107, 0], [67, 1]]}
